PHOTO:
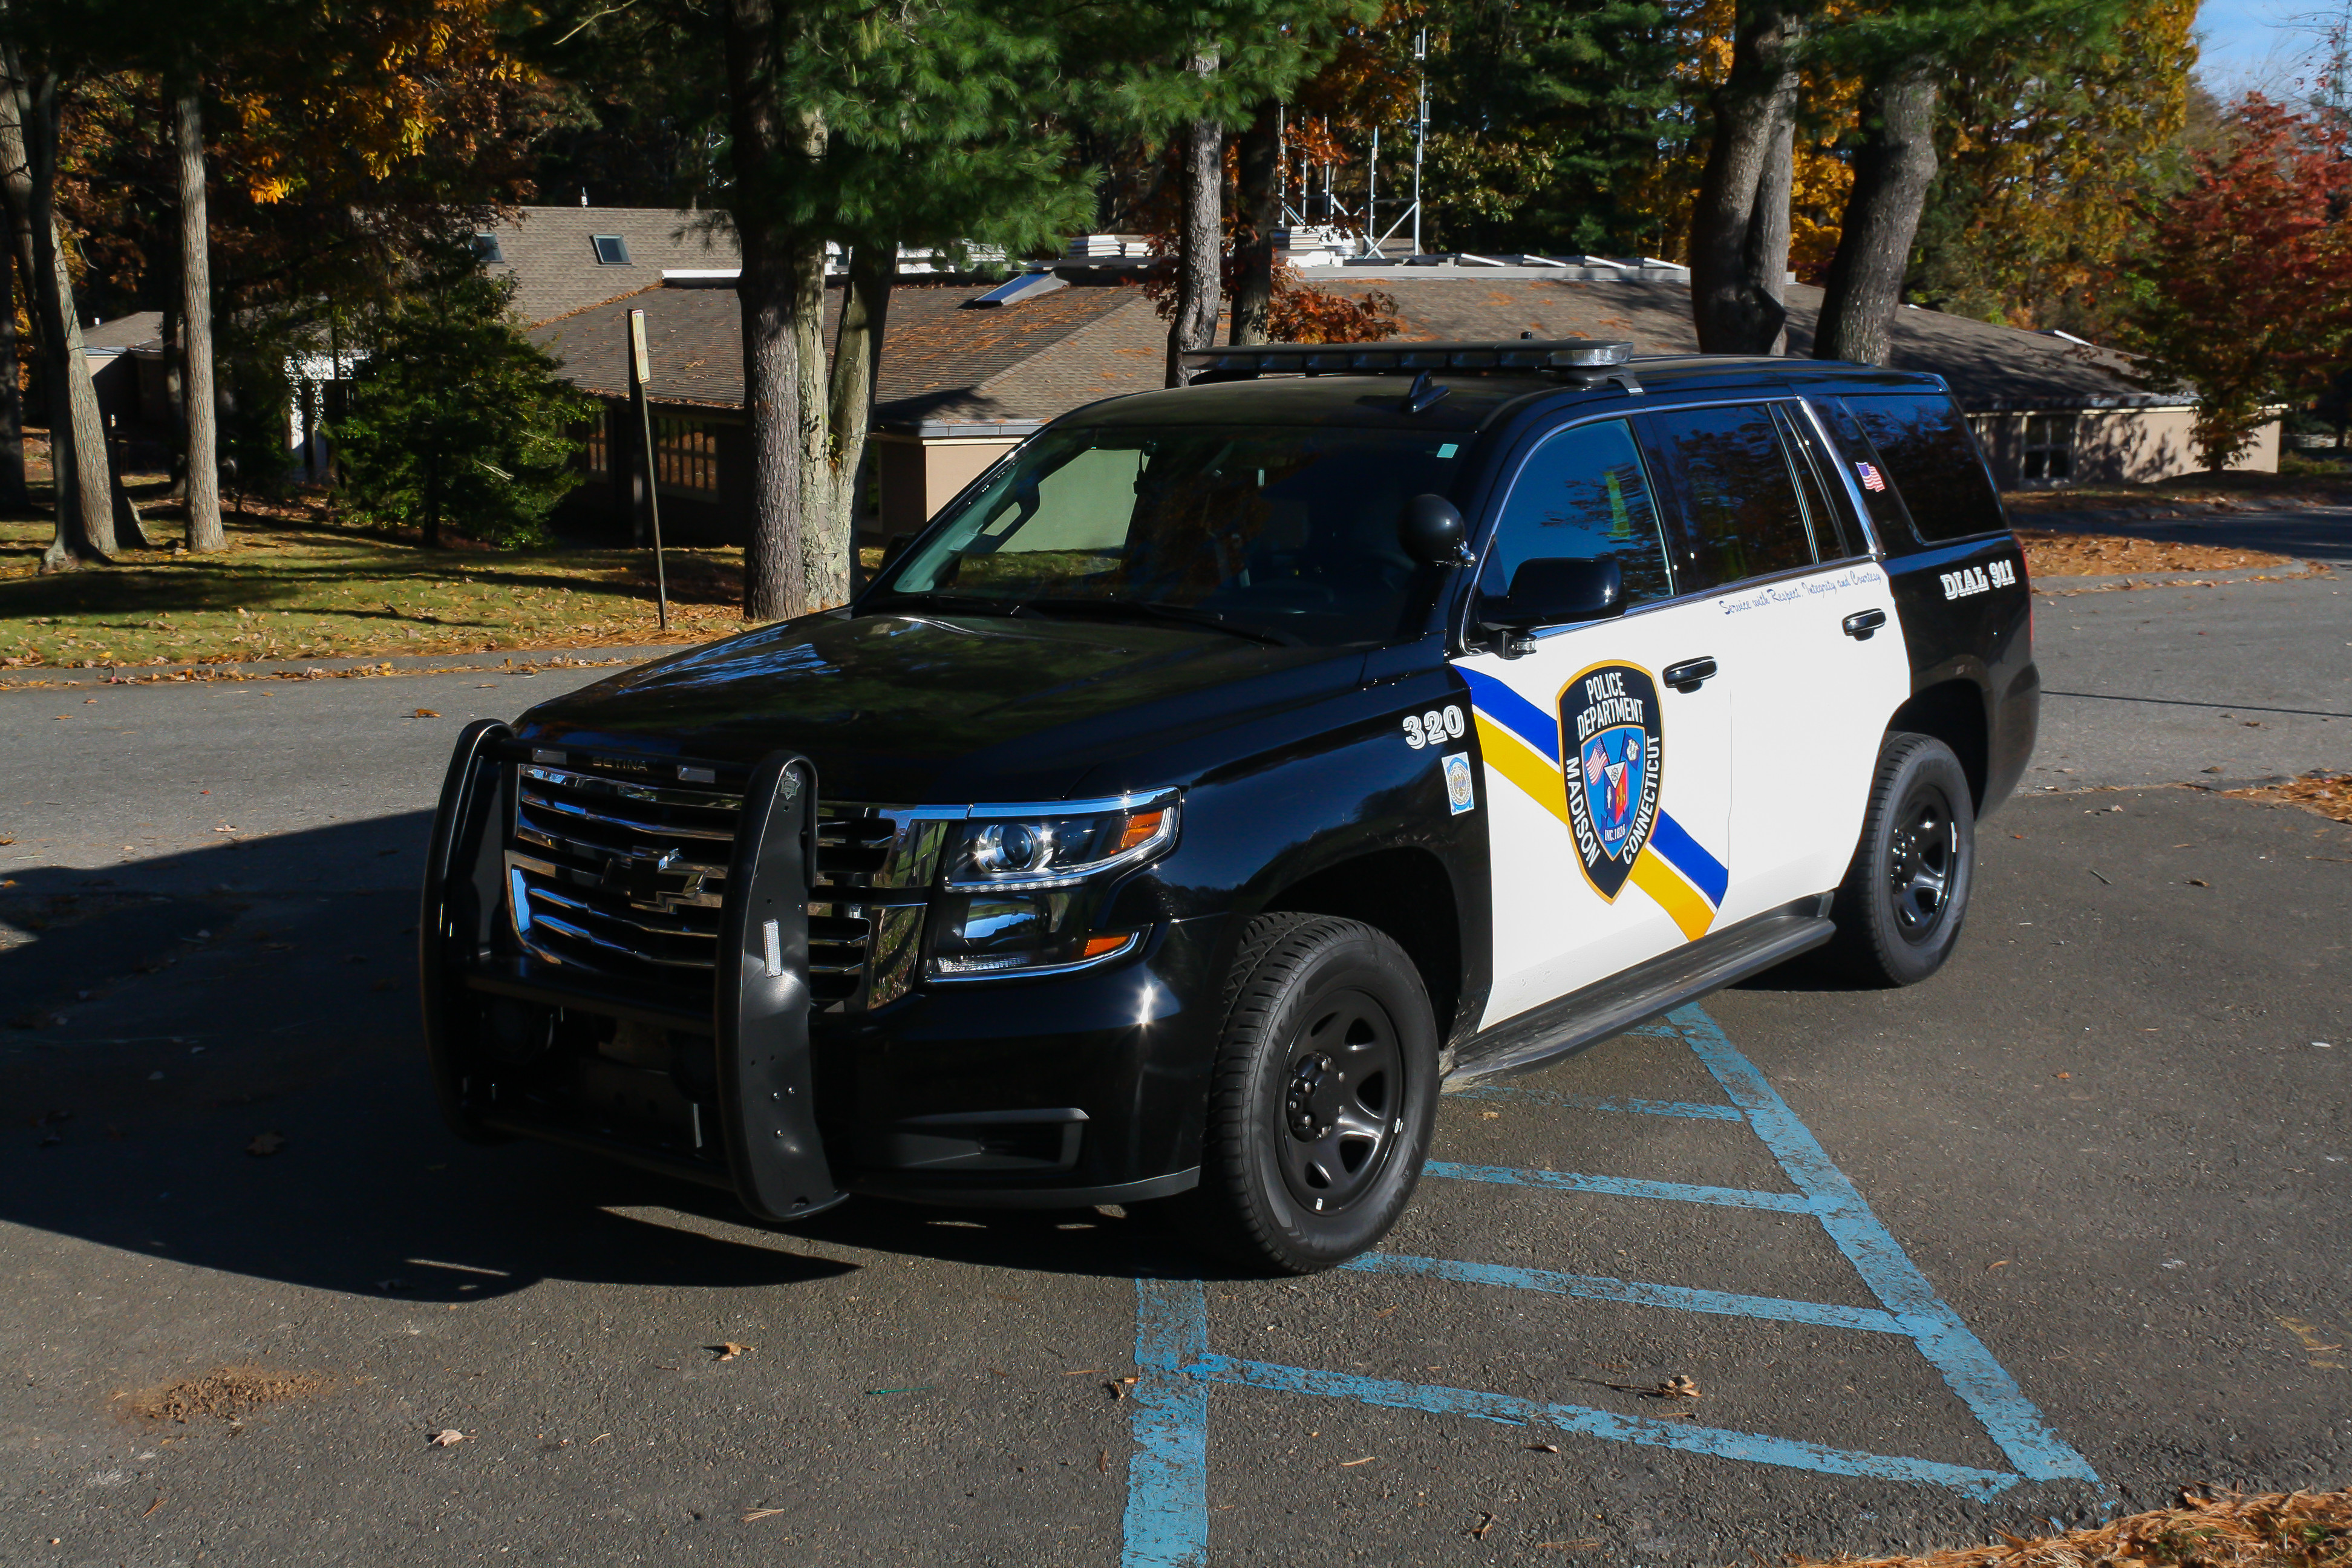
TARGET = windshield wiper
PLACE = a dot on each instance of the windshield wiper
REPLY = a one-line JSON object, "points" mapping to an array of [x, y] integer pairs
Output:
{"points": [[1157, 610]]}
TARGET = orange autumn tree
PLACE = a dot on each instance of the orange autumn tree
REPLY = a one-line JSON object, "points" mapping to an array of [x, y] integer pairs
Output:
{"points": [[2244, 286]]}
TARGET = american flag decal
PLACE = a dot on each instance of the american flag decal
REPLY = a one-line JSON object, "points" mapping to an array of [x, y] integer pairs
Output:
{"points": [[1870, 480]]}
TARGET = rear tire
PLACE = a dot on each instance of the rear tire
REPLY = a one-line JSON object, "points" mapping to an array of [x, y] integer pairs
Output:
{"points": [[1322, 1099], [1899, 910]]}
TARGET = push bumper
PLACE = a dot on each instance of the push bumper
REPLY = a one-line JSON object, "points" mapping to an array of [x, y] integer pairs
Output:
{"points": [[1067, 1091]]}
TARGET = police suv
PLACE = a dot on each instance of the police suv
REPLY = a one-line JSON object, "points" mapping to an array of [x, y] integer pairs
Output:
{"points": [[1229, 769]]}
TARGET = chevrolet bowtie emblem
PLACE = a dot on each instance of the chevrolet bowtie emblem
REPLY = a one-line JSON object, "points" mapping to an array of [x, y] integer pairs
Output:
{"points": [[637, 877]]}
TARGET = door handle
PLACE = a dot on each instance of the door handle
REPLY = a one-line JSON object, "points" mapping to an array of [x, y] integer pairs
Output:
{"points": [[1689, 674], [1862, 623]]}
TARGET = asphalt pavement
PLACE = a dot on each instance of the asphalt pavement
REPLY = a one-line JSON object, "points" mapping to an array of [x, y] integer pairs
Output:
{"points": [[2044, 1238]]}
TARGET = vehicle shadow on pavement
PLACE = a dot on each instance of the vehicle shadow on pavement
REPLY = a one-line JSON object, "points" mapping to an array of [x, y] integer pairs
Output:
{"points": [[150, 1089]]}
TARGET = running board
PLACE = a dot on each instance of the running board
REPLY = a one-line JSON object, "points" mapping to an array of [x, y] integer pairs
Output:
{"points": [[1647, 991]]}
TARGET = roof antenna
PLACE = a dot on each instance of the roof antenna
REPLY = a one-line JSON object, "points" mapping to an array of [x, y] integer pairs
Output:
{"points": [[584, 195], [1423, 393]]}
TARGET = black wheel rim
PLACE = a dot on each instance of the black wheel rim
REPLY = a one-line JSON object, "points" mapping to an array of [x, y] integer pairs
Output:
{"points": [[1341, 1102], [1922, 859]]}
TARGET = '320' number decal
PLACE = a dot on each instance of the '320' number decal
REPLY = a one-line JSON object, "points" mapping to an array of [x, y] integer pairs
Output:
{"points": [[1433, 728]]}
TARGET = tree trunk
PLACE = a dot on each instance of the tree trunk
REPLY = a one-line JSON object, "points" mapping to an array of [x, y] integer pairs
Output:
{"points": [[857, 367], [205, 532], [1736, 269], [1260, 198], [432, 528], [775, 144], [1767, 233], [12, 491], [85, 510], [1892, 171], [1199, 235]]}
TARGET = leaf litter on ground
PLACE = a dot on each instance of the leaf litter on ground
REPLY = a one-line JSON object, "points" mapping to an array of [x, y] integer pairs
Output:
{"points": [[2274, 1530]]}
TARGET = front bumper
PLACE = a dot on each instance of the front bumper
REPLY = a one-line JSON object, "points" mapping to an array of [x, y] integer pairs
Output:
{"points": [[1069, 1090]]}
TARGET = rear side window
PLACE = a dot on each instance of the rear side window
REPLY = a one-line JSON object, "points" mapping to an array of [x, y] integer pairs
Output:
{"points": [[1932, 462], [1582, 494], [1742, 514]]}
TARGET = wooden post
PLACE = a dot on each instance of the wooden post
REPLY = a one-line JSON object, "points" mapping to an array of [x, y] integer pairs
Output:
{"points": [[641, 371]]}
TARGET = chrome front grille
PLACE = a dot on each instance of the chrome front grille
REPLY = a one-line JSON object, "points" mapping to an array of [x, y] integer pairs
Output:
{"points": [[622, 878]]}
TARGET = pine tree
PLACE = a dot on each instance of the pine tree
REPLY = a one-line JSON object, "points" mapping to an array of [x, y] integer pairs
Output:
{"points": [[457, 420]]}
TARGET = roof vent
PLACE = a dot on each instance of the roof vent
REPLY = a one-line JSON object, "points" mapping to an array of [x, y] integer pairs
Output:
{"points": [[1014, 291]]}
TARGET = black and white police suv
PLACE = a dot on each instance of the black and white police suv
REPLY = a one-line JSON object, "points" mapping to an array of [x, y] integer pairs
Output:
{"points": [[1230, 768]]}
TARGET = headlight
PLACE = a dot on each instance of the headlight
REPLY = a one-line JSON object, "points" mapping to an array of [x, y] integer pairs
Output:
{"points": [[1023, 884]]}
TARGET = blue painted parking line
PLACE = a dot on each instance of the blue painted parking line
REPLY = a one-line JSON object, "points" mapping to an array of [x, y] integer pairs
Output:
{"points": [[1604, 1103], [1167, 1514], [1634, 1293], [1622, 1187], [2009, 1417]]}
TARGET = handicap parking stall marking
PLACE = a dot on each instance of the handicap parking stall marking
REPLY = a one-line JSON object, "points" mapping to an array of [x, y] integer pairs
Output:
{"points": [[1167, 1518]]}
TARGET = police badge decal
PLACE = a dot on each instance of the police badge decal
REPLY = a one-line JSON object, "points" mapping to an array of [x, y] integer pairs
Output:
{"points": [[1612, 750]]}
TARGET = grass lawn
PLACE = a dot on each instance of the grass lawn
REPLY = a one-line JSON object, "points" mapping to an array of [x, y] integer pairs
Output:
{"points": [[294, 583]]}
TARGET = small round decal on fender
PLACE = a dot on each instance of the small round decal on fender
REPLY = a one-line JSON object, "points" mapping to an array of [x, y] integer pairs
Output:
{"points": [[1613, 753]]}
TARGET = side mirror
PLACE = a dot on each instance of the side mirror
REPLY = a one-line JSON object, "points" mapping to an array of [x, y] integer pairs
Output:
{"points": [[1431, 531], [1553, 591]]}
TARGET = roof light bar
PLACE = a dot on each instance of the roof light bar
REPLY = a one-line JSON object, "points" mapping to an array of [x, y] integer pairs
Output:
{"points": [[1312, 359]]}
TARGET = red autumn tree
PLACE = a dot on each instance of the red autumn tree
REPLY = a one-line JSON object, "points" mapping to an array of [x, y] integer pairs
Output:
{"points": [[2244, 288]]}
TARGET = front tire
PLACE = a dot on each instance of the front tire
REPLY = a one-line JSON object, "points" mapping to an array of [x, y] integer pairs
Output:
{"points": [[1322, 1099], [1899, 910]]}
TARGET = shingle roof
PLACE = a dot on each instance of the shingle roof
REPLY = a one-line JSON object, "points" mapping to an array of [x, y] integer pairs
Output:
{"points": [[137, 329], [944, 365], [548, 253], [941, 362]]}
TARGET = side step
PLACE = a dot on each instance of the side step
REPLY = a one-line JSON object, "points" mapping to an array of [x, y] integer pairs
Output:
{"points": [[1647, 991]]}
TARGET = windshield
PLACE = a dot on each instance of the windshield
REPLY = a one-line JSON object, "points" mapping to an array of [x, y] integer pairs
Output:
{"points": [[1285, 533]]}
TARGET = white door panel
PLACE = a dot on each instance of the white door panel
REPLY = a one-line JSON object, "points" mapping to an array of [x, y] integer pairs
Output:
{"points": [[1811, 704], [1592, 874]]}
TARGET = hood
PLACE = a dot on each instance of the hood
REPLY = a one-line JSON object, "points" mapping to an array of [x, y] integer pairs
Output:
{"points": [[941, 709]]}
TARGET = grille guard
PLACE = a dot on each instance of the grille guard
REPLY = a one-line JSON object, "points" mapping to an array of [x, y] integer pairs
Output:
{"points": [[761, 1002]]}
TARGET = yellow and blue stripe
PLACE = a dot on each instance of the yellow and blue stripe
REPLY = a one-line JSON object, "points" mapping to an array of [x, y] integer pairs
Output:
{"points": [[1521, 741]]}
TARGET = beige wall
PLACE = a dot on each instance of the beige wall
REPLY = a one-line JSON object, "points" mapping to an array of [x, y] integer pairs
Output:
{"points": [[2118, 446], [918, 477]]}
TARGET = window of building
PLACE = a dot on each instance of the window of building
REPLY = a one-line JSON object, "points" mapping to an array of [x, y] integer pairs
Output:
{"points": [[2049, 449], [596, 455], [611, 250], [485, 249], [686, 457]]}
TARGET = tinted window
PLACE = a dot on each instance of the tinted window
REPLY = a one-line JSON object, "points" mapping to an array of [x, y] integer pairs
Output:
{"points": [[1742, 518], [1933, 461], [1289, 532], [1834, 535], [1583, 494]]}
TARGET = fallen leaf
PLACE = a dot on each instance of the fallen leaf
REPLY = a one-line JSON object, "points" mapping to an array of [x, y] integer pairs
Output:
{"points": [[2062, 1075], [153, 1506], [448, 1437], [757, 1514], [1997, 1263], [1088, 1372], [1351, 1464], [1585, 1545], [426, 713], [2198, 882], [728, 1351], [1678, 1387], [1116, 1391], [1486, 1523], [1490, 1116], [1543, 1447], [264, 1143]]}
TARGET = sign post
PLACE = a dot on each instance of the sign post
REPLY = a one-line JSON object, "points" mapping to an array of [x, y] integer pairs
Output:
{"points": [[641, 371]]}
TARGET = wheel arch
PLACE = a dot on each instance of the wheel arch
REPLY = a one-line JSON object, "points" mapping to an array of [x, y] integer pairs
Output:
{"points": [[1404, 891], [1953, 712]]}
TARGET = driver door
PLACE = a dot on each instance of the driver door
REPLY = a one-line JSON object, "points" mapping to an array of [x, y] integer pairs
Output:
{"points": [[1608, 789]]}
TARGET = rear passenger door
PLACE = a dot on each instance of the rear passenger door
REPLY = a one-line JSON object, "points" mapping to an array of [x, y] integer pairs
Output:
{"points": [[1606, 790], [1812, 660]]}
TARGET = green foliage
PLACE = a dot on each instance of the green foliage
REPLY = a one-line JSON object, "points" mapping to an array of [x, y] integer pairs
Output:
{"points": [[1544, 116], [457, 420], [255, 399]]}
